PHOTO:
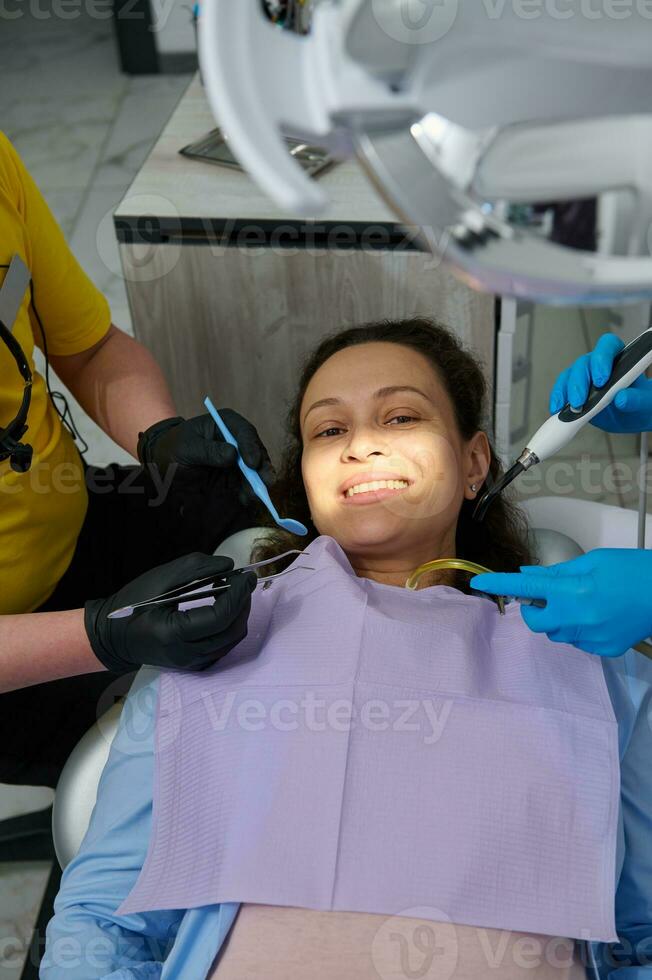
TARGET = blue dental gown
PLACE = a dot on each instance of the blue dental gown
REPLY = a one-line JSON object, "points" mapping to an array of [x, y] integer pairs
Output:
{"points": [[86, 940]]}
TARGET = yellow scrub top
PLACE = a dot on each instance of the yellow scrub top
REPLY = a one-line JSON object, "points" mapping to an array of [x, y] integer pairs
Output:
{"points": [[41, 511]]}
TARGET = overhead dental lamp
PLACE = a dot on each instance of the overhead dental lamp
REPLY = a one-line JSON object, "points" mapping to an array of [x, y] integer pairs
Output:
{"points": [[466, 115]]}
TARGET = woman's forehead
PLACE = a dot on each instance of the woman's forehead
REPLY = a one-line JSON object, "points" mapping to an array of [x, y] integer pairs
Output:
{"points": [[356, 373]]}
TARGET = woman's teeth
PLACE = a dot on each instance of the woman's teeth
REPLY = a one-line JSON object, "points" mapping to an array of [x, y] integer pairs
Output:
{"points": [[377, 485]]}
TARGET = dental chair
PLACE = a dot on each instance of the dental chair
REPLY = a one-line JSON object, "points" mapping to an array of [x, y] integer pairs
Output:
{"points": [[561, 529]]}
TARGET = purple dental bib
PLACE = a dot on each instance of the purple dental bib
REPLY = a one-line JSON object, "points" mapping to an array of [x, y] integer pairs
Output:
{"points": [[369, 748]]}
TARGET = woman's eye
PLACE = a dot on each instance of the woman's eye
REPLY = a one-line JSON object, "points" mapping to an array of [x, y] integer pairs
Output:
{"points": [[334, 428]]}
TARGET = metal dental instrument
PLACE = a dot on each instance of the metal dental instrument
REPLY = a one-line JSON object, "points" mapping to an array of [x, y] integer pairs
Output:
{"points": [[559, 429], [204, 587]]}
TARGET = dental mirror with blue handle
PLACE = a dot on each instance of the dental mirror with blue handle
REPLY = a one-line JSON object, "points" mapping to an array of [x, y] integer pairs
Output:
{"points": [[253, 478]]}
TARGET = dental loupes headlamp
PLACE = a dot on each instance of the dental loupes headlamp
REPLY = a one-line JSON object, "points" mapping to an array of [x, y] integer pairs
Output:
{"points": [[557, 431]]}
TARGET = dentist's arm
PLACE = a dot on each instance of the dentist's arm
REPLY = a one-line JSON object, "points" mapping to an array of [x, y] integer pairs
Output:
{"points": [[38, 647], [119, 384]]}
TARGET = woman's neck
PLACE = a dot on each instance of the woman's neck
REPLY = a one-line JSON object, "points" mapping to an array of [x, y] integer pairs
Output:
{"points": [[395, 569], [447, 576]]}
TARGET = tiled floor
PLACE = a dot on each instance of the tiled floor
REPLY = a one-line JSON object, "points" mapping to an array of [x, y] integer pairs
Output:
{"points": [[83, 129]]}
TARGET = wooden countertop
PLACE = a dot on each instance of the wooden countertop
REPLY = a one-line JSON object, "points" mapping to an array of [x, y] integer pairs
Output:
{"points": [[173, 197]]}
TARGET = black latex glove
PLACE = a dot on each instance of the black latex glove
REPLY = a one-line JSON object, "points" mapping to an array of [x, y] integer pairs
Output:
{"points": [[204, 462], [162, 635]]}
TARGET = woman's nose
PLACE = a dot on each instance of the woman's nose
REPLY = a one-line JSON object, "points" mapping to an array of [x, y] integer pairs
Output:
{"points": [[363, 444]]}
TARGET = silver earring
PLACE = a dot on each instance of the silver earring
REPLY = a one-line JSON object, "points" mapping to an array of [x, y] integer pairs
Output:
{"points": [[473, 487]]}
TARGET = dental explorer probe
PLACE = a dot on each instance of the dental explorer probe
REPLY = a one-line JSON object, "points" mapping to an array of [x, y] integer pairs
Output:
{"points": [[557, 431]]}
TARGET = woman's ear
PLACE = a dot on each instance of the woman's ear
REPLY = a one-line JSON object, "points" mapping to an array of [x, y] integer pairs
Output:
{"points": [[478, 461]]}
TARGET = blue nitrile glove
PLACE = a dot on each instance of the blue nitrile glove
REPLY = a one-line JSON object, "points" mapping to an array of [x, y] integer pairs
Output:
{"points": [[600, 602], [631, 409]]}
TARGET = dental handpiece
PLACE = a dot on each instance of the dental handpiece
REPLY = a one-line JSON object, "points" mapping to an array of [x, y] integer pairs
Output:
{"points": [[557, 431]]}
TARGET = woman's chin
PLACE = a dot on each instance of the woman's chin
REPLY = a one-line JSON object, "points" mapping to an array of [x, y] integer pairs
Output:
{"points": [[370, 531]]}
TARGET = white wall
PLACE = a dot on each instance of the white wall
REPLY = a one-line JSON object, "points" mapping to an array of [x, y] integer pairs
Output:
{"points": [[172, 25]]}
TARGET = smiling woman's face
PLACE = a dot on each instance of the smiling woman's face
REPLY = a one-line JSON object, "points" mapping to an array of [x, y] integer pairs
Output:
{"points": [[370, 435]]}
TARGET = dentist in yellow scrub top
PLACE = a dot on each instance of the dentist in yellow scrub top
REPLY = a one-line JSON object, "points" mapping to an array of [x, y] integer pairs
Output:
{"points": [[72, 535]]}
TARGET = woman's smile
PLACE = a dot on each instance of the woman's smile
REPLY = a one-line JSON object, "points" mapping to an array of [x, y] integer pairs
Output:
{"points": [[374, 491], [370, 487]]}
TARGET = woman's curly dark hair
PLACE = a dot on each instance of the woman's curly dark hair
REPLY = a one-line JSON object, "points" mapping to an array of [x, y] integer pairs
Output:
{"points": [[499, 542]]}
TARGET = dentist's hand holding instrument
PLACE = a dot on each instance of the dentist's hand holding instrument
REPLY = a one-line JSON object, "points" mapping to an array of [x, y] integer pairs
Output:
{"points": [[146, 621], [257, 485], [206, 489], [600, 602]]}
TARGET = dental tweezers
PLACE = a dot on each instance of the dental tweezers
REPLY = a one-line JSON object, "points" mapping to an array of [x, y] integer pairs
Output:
{"points": [[204, 587]]}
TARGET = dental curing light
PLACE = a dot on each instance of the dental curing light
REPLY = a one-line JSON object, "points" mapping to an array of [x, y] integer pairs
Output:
{"points": [[557, 431]]}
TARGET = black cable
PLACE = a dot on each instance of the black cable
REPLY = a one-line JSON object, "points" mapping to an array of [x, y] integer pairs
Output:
{"points": [[70, 425], [66, 414]]}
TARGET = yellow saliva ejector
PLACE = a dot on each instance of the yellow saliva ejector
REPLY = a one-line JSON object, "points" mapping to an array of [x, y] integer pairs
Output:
{"points": [[459, 563]]}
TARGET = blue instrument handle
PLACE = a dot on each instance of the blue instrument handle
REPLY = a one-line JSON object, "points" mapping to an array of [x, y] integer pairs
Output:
{"points": [[250, 474]]}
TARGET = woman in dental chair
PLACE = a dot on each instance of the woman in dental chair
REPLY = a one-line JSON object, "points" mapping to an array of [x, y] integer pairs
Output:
{"points": [[377, 782]]}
